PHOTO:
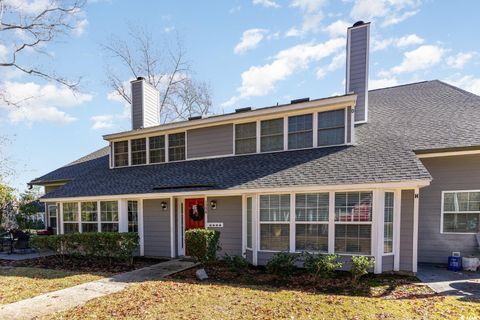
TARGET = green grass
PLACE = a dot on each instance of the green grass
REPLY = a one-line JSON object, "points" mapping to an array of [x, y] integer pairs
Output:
{"points": [[18, 283], [179, 299]]}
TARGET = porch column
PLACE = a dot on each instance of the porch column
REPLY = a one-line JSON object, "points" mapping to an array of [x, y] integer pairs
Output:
{"points": [[122, 215], [397, 217], [377, 226], [60, 218], [255, 229], [140, 226], [416, 196], [172, 226]]}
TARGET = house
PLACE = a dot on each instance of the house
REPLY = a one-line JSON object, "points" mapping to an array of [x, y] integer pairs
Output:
{"points": [[392, 173]]}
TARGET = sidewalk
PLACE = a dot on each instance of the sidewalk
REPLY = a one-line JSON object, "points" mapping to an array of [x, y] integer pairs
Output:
{"points": [[68, 298]]}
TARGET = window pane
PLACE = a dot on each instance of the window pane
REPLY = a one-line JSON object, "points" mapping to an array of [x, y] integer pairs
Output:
{"points": [[388, 223], [176, 146], [139, 151], [70, 211], [311, 237], [311, 207], [70, 227], [109, 210], [245, 138], [157, 149], [271, 135], [448, 202], [249, 222], [461, 211], [109, 227], [327, 137], [89, 211], [275, 207], [274, 237], [120, 153], [89, 227], [300, 132], [331, 127], [132, 216], [353, 238], [353, 206]]}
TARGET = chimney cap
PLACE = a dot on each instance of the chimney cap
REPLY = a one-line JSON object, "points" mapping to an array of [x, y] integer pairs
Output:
{"points": [[358, 23], [140, 78]]}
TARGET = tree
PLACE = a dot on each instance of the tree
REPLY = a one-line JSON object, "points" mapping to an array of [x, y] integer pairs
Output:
{"points": [[167, 69], [29, 27]]}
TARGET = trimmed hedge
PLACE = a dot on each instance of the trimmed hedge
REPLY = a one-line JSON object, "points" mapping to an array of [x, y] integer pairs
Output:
{"points": [[106, 245], [202, 244]]}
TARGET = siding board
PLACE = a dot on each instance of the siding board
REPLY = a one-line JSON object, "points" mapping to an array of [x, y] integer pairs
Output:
{"points": [[210, 141], [156, 224]]}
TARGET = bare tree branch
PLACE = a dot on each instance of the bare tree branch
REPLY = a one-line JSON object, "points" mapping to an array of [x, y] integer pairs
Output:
{"points": [[167, 70]]}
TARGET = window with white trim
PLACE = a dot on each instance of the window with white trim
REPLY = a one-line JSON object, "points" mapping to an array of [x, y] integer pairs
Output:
{"points": [[271, 135], [89, 215], [331, 127], [70, 217], [52, 217], [139, 151], [246, 138], [300, 131], [311, 222], [461, 210], [132, 216], [249, 222], [176, 146], [109, 216], [120, 153], [353, 222], [275, 222], [388, 222], [157, 149]]}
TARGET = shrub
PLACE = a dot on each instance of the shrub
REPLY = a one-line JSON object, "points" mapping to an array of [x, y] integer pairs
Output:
{"points": [[107, 245], [235, 263], [282, 264], [202, 244], [322, 266], [360, 266]]}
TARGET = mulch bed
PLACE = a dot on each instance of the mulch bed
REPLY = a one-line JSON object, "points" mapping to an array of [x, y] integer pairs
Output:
{"points": [[81, 264], [388, 286]]}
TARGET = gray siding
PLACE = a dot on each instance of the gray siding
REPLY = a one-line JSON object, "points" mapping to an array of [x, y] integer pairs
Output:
{"points": [[406, 231], [249, 255], [349, 125], [229, 211], [51, 188], [358, 68], [156, 226], [387, 263], [137, 105], [449, 173], [210, 141]]}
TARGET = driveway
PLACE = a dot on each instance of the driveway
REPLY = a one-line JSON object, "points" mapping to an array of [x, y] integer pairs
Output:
{"points": [[464, 284]]}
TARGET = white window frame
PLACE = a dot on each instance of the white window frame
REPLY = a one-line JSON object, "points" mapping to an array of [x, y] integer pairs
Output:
{"points": [[287, 135], [273, 135], [128, 221], [88, 222], [345, 123], [167, 146], [235, 137], [393, 224], [131, 152], [164, 148], [443, 212], [108, 221], [251, 222], [114, 153], [286, 222], [56, 216], [78, 221]]}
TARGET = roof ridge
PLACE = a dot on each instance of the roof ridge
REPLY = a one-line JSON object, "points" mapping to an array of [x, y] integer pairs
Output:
{"points": [[402, 85], [457, 88]]}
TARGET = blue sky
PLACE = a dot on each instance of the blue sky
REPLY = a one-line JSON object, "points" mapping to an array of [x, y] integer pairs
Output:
{"points": [[252, 53]]}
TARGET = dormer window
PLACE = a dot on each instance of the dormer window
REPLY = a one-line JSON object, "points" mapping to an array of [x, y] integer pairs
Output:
{"points": [[157, 149], [271, 135], [300, 129], [331, 127], [120, 151], [246, 138], [176, 146], [139, 151]]}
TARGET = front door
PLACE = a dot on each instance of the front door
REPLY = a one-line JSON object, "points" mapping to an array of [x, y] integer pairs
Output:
{"points": [[194, 213]]}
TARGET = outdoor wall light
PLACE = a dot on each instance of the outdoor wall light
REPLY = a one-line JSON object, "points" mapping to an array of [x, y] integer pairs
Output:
{"points": [[164, 205], [213, 204]]}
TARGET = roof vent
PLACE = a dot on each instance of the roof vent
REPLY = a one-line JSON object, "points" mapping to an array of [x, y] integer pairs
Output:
{"points": [[243, 109], [300, 100], [194, 118]]}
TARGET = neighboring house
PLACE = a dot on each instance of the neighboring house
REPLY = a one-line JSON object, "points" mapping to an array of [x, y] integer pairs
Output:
{"points": [[39, 215], [392, 173]]}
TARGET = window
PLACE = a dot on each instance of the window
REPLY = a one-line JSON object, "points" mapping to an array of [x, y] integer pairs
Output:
{"points": [[461, 210], [139, 151], [311, 222], [89, 216], [275, 222], [176, 146], [132, 216], [331, 127], [271, 135], [120, 152], [246, 138], [300, 132], [388, 223], [52, 217], [353, 216], [70, 217], [249, 222], [109, 216], [157, 149]]}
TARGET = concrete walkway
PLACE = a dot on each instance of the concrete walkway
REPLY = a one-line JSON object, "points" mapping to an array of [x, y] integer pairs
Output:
{"points": [[463, 284], [68, 298]]}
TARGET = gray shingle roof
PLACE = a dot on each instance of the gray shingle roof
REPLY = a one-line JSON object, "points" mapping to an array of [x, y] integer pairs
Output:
{"points": [[402, 119]]}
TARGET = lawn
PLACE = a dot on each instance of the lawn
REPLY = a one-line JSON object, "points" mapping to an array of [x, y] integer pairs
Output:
{"points": [[256, 295], [18, 283]]}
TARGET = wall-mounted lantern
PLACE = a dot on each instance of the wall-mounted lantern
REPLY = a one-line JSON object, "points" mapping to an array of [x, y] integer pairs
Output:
{"points": [[164, 205], [213, 204]]}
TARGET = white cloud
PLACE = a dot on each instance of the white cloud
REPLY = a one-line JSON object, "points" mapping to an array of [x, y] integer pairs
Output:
{"points": [[409, 40], [260, 80], [40, 102], [107, 121], [337, 62], [266, 3], [250, 40], [405, 41], [368, 9], [234, 9], [422, 58], [28, 7], [338, 28], [382, 83], [3, 53], [308, 5], [396, 19], [469, 83], [459, 60], [390, 12], [80, 27], [311, 23], [104, 121]]}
